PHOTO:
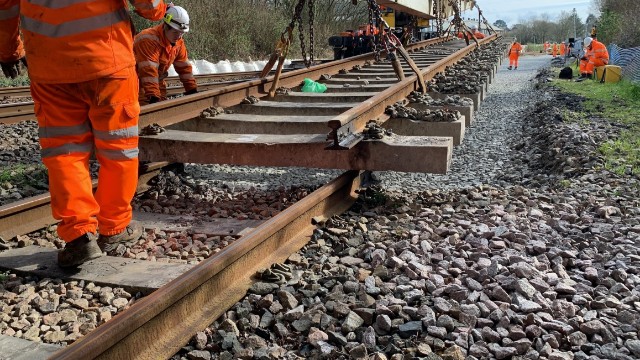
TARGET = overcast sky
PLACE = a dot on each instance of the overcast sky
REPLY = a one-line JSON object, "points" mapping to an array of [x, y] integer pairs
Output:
{"points": [[515, 11]]}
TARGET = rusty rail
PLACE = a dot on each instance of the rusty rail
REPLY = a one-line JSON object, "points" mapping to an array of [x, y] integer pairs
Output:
{"points": [[157, 326], [33, 213]]}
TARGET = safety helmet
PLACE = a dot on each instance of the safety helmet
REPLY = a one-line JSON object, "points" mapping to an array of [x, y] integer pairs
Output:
{"points": [[178, 18], [587, 41], [473, 27]]}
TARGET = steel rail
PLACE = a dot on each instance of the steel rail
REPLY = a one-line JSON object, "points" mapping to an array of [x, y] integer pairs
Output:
{"points": [[33, 213], [157, 326], [24, 91]]}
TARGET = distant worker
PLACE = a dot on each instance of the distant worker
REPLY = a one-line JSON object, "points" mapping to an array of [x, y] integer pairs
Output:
{"points": [[546, 46], [477, 33], [596, 55], [514, 54], [156, 49], [563, 49], [554, 49], [85, 94]]}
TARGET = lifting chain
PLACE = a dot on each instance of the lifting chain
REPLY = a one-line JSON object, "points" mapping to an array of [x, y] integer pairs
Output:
{"points": [[438, 13], [375, 18], [286, 38], [297, 17]]}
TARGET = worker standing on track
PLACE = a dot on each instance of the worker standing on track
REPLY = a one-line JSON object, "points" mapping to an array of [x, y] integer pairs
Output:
{"points": [[596, 54], [85, 99], [554, 49], [514, 54], [563, 49], [546, 47], [156, 49]]}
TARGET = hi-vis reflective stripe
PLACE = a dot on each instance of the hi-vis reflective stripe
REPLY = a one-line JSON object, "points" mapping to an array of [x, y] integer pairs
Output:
{"points": [[145, 6], [116, 134], [127, 154], [67, 149], [146, 36], [76, 26], [10, 13], [142, 64], [186, 76], [149, 79], [48, 132], [57, 4]]}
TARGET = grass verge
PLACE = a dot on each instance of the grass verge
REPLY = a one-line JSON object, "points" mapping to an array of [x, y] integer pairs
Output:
{"points": [[619, 102]]}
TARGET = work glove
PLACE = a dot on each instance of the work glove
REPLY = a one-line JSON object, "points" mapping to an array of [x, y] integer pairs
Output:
{"points": [[191, 92], [153, 99], [11, 69], [584, 58]]}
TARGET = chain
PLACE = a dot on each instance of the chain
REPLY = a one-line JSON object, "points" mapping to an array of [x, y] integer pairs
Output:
{"points": [[311, 30], [437, 8], [297, 18], [375, 18]]}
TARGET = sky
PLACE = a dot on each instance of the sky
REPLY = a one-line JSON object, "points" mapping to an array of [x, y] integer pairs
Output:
{"points": [[515, 11]]}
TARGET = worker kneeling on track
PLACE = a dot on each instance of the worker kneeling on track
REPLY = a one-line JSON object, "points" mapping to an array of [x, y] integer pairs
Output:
{"points": [[85, 100], [156, 49], [596, 54]]}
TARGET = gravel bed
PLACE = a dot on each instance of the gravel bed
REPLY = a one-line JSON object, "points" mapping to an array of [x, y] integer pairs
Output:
{"points": [[537, 262], [56, 312]]}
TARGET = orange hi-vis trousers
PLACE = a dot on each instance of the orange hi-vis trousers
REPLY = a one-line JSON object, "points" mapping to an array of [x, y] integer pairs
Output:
{"points": [[74, 119], [513, 59]]}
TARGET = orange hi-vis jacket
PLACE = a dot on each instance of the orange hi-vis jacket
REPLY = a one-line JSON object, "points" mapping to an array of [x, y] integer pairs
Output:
{"points": [[516, 49], [478, 35], [11, 48], [563, 49], [597, 55], [154, 55], [78, 26]]}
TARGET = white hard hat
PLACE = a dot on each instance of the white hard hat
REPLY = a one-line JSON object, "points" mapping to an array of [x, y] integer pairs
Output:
{"points": [[178, 18], [473, 27], [587, 41]]}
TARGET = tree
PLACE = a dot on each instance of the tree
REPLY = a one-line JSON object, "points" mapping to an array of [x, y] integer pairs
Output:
{"points": [[619, 22], [501, 24]]}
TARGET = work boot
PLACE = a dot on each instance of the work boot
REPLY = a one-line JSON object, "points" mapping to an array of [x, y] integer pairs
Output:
{"points": [[515, 68], [79, 251], [509, 68], [128, 237]]}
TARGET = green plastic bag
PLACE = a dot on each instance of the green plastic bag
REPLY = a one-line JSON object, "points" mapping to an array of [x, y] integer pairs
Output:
{"points": [[312, 86]]}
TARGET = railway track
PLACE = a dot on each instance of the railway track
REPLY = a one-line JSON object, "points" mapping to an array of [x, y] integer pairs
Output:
{"points": [[272, 132], [207, 80]]}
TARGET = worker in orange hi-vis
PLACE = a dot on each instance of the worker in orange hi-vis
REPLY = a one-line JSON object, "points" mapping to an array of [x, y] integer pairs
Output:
{"points": [[596, 54], [554, 49], [159, 47], [477, 33], [514, 54], [85, 94], [563, 49], [546, 47]]}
